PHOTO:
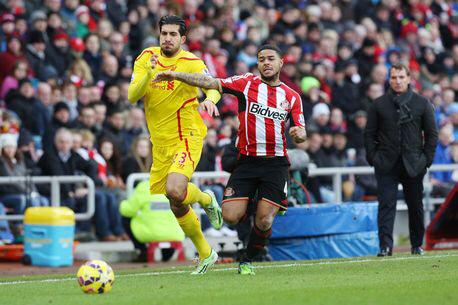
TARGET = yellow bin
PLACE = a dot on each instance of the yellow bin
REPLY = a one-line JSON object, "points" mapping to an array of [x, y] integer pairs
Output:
{"points": [[48, 236]]}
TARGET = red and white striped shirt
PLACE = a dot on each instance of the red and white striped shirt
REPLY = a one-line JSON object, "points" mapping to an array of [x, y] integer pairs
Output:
{"points": [[263, 112]]}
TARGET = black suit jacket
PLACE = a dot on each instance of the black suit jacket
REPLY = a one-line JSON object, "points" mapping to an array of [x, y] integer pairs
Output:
{"points": [[51, 165], [401, 126]]}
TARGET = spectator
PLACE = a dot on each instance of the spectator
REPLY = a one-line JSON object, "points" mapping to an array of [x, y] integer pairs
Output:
{"points": [[124, 60], [39, 22], [442, 182], [61, 161], [356, 130], [20, 195], [60, 119], [310, 86], [84, 96], [36, 56], [11, 82], [452, 112], [100, 115], [374, 90], [114, 129], [135, 125], [7, 30], [28, 108], [59, 52], [92, 54], [79, 73], [345, 93], [207, 162], [320, 117], [337, 121], [55, 24], [86, 120], [139, 159], [13, 54], [68, 14], [110, 229], [112, 157], [83, 22], [454, 154], [69, 92], [111, 95], [109, 71]]}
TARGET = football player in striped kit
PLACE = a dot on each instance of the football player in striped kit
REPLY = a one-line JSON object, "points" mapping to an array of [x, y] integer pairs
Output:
{"points": [[265, 105]]}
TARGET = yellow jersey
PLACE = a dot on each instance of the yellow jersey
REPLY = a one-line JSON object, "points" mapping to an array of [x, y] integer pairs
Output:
{"points": [[170, 106]]}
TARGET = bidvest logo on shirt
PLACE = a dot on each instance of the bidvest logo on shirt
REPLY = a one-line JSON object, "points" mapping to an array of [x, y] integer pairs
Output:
{"points": [[267, 112]]}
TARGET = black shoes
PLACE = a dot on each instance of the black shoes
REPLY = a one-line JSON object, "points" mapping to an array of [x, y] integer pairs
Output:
{"points": [[417, 251], [387, 251]]}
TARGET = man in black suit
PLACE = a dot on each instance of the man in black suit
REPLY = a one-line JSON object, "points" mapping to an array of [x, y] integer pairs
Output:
{"points": [[400, 140]]}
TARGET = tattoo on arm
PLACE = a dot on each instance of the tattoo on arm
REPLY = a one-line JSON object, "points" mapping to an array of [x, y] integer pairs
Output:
{"points": [[198, 80]]}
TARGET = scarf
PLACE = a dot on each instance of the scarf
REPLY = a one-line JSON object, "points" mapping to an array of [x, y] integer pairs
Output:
{"points": [[401, 102]]}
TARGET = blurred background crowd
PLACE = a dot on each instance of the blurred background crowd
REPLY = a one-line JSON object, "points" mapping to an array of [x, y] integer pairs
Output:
{"points": [[65, 67]]}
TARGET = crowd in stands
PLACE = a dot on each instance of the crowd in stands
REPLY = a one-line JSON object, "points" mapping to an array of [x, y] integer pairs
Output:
{"points": [[65, 66]]}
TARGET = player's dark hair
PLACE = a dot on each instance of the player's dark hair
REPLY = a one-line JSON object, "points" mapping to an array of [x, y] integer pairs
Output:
{"points": [[270, 47], [172, 19]]}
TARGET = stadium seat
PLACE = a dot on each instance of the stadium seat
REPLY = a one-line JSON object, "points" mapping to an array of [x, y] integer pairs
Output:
{"points": [[152, 246]]}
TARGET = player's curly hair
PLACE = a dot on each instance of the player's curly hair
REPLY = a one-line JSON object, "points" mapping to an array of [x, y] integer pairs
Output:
{"points": [[172, 19]]}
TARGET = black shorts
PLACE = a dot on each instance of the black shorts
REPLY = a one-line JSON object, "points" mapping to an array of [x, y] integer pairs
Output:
{"points": [[266, 175]]}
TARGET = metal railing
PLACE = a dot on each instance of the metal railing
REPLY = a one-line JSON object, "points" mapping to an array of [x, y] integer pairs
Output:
{"points": [[336, 173], [133, 178], [55, 182]]}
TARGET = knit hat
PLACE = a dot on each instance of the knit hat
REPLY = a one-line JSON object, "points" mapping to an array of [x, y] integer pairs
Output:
{"points": [[82, 9], [60, 34], [8, 139], [38, 15], [6, 17], [309, 82], [61, 105], [320, 109], [77, 44]]}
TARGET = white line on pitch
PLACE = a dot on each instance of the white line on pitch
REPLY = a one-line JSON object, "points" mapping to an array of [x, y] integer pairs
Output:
{"points": [[343, 262]]}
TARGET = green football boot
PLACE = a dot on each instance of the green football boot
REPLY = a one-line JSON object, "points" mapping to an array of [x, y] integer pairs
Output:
{"points": [[245, 269], [205, 264], [213, 211]]}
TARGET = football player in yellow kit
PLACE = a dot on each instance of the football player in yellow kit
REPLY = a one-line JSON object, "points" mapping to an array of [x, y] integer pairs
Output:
{"points": [[177, 131]]}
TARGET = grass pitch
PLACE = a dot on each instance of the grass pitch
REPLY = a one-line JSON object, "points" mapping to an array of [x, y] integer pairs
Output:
{"points": [[401, 279]]}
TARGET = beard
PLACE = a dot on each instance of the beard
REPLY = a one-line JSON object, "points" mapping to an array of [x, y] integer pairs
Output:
{"points": [[169, 52], [270, 78]]}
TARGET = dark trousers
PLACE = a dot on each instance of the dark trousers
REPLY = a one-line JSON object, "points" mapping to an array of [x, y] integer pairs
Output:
{"points": [[138, 245], [387, 187]]}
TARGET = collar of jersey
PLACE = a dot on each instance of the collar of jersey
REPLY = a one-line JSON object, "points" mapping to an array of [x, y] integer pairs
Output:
{"points": [[281, 83], [164, 61]]}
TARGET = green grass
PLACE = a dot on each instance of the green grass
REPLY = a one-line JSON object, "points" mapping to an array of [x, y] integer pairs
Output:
{"points": [[402, 279]]}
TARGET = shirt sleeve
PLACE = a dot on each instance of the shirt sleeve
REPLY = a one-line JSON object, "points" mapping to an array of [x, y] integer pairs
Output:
{"points": [[297, 114], [234, 84], [140, 78]]}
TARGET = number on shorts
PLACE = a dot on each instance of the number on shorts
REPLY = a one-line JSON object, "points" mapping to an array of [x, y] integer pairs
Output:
{"points": [[182, 158]]}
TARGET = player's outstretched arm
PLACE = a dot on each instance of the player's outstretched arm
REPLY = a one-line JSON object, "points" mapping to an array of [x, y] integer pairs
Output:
{"points": [[298, 134], [193, 79]]}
